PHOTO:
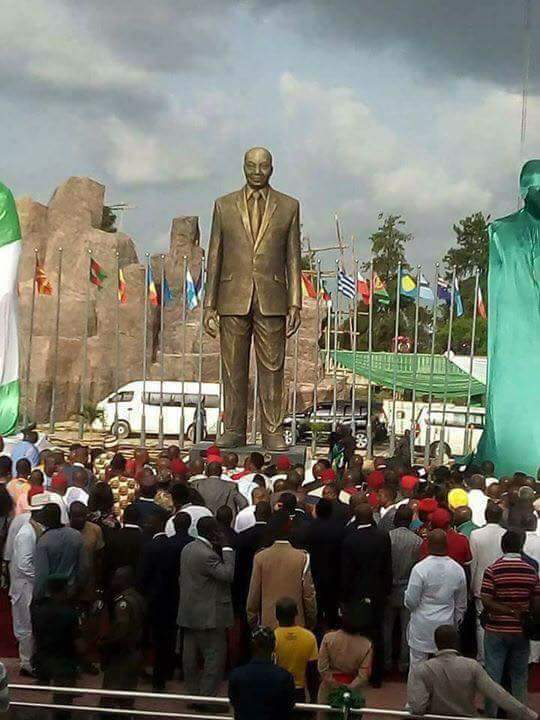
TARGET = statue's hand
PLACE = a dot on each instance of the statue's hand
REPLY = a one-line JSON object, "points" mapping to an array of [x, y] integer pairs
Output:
{"points": [[210, 321], [293, 320]]}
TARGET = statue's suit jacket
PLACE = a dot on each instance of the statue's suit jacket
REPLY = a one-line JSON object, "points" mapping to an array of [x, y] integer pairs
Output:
{"points": [[239, 264]]}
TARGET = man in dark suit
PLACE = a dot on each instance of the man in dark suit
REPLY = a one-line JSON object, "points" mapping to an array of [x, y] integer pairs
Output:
{"points": [[323, 543], [366, 579], [254, 286], [123, 546], [205, 610], [160, 568], [217, 492]]}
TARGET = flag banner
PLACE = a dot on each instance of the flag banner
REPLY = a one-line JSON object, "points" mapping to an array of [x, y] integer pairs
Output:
{"points": [[426, 293], [363, 288], [122, 288], [167, 294], [152, 290], [325, 294], [43, 286], [97, 274], [308, 289], [346, 284], [10, 251], [407, 285], [444, 292], [192, 299], [480, 304], [379, 290]]}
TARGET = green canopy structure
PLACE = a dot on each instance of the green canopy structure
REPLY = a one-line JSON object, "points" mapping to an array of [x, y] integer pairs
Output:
{"points": [[382, 373]]}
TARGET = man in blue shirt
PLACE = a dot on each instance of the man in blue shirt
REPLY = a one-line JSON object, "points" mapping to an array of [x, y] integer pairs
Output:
{"points": [[26, 448], [261, 689]]}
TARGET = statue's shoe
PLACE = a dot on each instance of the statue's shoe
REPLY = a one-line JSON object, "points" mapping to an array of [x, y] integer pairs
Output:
{"points": [[231, 440], [275, 443]]}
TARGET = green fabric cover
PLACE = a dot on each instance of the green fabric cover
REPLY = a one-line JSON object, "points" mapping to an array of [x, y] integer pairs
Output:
{"points": [[382, 373], [10, 230], [9, 407], [512, 434]]}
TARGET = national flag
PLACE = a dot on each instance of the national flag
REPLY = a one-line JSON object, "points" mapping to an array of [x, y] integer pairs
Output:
{"points": [[444, 292], [97, 274], [426, 293], [325, 294], [346, 284], [308, 289], [122, 287], [10, 251], [192, 298], [458, 302], [43, 286], [379, 290], [152, 290], [480, 304], [407, 285], [167, 294], [363, 288]]}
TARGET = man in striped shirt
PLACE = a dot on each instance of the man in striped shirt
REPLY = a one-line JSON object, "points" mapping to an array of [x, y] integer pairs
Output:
{"points": [[508, 587]]}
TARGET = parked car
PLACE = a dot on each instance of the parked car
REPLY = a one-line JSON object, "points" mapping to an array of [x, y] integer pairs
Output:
{"points": [[454, 428], [324, 417]]}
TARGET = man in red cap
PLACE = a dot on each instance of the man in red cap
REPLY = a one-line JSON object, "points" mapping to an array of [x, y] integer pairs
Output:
{"points": [[458, 545], [425, 507]]}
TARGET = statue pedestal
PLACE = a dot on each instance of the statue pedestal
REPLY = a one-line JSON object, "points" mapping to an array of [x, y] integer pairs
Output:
{"points": [[296, 453]]}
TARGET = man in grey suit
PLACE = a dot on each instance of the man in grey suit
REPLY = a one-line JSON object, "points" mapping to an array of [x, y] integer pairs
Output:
{"points": [[217, 492], [205, 610], [254, 286]]}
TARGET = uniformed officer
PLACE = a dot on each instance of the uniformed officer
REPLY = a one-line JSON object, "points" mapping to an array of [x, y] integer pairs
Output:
{"points": [[121, 657]]}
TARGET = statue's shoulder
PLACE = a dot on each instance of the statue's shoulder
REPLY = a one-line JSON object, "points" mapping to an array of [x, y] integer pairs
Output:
{"points": [[507, 221], [285, 199], [230, 198]]}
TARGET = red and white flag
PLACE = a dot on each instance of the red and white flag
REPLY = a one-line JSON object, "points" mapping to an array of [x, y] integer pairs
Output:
{"points": [[363, 288], [480, 304]]}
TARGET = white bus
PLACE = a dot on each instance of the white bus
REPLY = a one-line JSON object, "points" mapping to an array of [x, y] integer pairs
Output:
{"points": [[130, 401], [454, 428]]}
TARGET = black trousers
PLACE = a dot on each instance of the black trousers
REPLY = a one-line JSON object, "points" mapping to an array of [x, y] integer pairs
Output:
{"points": [[164, 644]]}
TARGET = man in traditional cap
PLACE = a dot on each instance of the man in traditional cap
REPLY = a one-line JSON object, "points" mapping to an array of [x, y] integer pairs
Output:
{"points": [[458, 545]]}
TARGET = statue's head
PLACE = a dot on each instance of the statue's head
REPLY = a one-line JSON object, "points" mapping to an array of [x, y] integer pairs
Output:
{"points": [[529, 185], [258, 167]]}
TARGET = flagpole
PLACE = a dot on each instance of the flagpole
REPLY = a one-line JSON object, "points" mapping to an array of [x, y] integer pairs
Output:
{"points": [[30, 338], [220, 397], [415, 361], [55, 350], [84, 372], [466, 447], [255, 393], [198, 426], [161, 347], [328, 334], [432, 366], [316, 369], [117, 341], [394, 376], [448, 349], [354, 348], [182, 431], [336, 330], [145, 342], [370, 361]]}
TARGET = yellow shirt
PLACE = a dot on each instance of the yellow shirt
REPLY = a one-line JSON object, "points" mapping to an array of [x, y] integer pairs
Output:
{"points": [[295, 648]]}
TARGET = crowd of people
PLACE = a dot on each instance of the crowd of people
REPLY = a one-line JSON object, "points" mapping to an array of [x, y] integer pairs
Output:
{"points": [[291, 584]]}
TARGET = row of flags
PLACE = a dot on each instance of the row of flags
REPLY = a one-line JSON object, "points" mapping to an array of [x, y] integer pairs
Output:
{"points": [[408, 287], [97, 277]]}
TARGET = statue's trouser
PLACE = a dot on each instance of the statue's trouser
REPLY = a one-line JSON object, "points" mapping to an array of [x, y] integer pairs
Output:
{"points": [[9, 353], [268, 334]]}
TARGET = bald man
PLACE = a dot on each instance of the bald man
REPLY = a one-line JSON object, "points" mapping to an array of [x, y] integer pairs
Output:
{"points": [[254, 287]]}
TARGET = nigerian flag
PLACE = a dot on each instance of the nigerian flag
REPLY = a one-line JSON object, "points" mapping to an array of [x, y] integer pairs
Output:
{"points": [[10, 250]]}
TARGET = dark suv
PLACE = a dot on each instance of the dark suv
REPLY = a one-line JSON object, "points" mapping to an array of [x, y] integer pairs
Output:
{"points": [[324, 418]]}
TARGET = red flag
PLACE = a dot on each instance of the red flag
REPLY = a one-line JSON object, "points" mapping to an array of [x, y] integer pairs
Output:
{"points": [[97, 274], [308, 289], [122, 288], [363, 288], [480, 304], [43, 286]]}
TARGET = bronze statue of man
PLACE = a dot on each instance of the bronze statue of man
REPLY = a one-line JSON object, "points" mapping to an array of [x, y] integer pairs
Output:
{"points": [[254, 286]]}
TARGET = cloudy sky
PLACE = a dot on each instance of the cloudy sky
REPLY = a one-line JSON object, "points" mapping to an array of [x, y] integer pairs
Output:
{"points": [[404, 106]]}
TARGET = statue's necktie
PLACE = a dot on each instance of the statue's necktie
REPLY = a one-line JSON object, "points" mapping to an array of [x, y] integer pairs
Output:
{"points": [[255, 216]]}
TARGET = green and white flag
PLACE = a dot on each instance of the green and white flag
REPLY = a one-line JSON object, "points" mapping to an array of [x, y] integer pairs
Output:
{"points": [[10, 250]]}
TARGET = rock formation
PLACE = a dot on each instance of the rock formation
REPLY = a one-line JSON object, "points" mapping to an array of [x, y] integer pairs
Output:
{"points": [[72, 221]]}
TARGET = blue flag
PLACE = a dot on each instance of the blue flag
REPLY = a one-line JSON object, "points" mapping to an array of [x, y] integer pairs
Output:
{"points": [[192, 292], [167, 294], [346, 284], [444, 292]]}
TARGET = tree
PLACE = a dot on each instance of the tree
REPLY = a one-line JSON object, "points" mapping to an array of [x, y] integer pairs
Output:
{"points": [[388, 247], [108, 220], [472, 246]]}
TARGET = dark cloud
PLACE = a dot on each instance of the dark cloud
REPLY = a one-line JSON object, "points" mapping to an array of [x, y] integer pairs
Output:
{"points": [[480, 39]]}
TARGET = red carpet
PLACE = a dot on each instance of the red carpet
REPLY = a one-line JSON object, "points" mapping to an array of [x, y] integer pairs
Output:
{"points": [[8, 644]]}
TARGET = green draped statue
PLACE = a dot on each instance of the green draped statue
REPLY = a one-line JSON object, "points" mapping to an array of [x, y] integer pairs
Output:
{"points": [[512, 435]]}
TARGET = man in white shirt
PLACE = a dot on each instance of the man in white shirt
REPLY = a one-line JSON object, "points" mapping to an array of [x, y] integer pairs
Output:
{"points": [[77, 493], [22, 578], [478, 499], [485, 544], [436, 595], [181, 499], [246, 517]]}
